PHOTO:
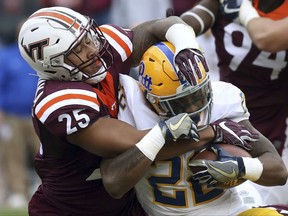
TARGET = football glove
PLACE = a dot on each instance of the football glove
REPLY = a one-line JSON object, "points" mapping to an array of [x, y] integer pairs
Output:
{"points": [[189, 63], [227, 168], [229, 132], [178, 126], [230, 8]]}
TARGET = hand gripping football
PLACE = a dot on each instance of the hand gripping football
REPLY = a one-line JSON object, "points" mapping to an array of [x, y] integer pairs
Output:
{"points": [[208, 154]]}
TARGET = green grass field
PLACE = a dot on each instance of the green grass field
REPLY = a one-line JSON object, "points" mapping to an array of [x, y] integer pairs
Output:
{"points": [[4, 211]]}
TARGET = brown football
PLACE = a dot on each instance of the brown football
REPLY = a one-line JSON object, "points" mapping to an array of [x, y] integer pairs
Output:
{"points": [[208, 154]]}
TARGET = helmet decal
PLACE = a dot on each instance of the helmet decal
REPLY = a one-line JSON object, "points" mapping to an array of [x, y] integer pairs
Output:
{"points": [[37, 48], [170, 56], [167, 52], [145, 80], [68, 21]]}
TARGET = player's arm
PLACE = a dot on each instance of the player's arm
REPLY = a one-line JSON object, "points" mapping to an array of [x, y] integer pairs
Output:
{"points": [[148, 33], [266, 34], [104, 137], [131, 151], [221, 131], [108, 138], [268, 156], [202, 16], [174, 30], [265, 168], [173, 149]]}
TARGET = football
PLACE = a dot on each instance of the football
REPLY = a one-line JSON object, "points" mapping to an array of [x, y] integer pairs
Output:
{"points": [[208, 154]]}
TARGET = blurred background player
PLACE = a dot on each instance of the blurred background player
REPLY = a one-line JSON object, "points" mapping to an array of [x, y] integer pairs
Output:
{"points": [[169, 187]]}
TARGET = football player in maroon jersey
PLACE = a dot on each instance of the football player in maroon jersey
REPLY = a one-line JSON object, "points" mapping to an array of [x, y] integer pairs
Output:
{"points": [[75, 110], [260, 75]]}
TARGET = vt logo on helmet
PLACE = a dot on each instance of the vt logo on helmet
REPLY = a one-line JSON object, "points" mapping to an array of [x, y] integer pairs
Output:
{"points": [[36, 48]]}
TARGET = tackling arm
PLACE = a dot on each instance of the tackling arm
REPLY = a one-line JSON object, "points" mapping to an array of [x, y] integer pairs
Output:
{"points": [[271, 160], [136, 150], [174, 30], [221, 131], [151, 32], [172, 149], [202, 16]]}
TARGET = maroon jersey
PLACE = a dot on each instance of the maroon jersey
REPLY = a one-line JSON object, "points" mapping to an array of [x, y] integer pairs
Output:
{"points": [[262, 76], [71, 184]]}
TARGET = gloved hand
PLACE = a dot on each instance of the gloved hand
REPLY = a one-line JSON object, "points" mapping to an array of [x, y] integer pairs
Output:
{"points": [[190, 63], [227, 168], [229, 132], [178, 126], [230, 8]]}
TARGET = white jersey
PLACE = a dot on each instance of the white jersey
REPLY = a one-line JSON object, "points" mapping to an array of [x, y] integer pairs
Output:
{"points": [[167, 188]]}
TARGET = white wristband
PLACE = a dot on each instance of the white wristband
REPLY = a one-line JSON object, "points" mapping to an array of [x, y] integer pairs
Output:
{"points": [[198, 18], [151, 143], [247, 12], [182, 37], [253, 168]]}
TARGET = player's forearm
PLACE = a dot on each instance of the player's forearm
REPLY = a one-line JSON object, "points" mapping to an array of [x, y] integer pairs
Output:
{"points": [[274, 170], [202, 16], [268, 35], [120, 174], [173, 149], [148, 33]]}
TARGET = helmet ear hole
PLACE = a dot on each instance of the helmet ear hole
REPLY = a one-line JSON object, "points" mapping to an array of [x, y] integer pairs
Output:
{"points": [[151, 60]]}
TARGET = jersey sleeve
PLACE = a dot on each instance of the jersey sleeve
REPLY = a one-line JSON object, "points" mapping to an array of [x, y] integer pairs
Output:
{"points": [[120, 39], [65, 111], [133, 107], [277, 13], [228, 102]]}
